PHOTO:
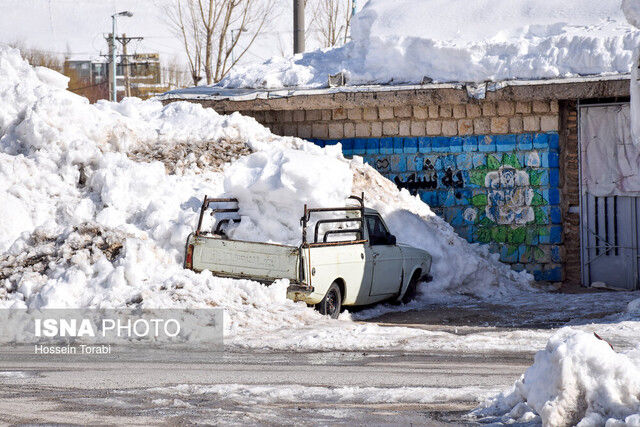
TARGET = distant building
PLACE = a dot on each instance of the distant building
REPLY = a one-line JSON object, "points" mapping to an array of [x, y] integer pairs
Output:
{"points": [[90, 77], [87, 71]]}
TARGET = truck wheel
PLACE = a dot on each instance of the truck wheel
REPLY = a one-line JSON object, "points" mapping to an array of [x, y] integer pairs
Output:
{"points": [[332, 302], [412, 289]]}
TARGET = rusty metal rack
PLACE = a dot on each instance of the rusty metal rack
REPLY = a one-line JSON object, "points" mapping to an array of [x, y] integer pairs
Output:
{"points": [[205, 205], [304, 221]]}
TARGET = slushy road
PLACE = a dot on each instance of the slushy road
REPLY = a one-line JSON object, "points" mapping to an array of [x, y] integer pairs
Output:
{"points": [[241, 387]]}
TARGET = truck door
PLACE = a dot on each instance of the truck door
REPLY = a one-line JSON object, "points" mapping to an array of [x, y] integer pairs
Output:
{"points": [[386, 256]]}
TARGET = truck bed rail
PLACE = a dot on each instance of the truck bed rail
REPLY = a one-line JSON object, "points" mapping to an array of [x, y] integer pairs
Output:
{"points": [[205, 204], [304, 221]]}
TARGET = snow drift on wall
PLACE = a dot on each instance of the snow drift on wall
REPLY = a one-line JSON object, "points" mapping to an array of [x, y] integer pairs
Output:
{"points": [[462, 41]]}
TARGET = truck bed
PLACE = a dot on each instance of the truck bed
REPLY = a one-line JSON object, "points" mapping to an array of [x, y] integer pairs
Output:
{"points": [[241, 259]]}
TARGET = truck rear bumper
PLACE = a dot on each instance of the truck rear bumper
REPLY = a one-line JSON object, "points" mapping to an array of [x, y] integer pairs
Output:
{"points": [[297, 292]]}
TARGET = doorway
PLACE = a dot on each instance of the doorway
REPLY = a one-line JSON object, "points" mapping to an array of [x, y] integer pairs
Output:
{"points": [[609, 197]]}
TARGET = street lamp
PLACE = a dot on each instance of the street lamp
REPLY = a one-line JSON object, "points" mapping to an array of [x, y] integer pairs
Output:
{"points": [[233, 40], [114, 94]]}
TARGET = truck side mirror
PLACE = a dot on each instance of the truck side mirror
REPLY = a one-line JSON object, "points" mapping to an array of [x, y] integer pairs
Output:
{"points": [[391, 239]]}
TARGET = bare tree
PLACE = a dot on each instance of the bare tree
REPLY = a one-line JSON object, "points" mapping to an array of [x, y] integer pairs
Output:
{"points": [[175, 74], [332, 21], [39, 57], [183, 18], [217, 33]]}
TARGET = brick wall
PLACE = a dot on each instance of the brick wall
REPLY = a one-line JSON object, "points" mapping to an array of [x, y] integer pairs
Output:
{"points": [[491, 169], [569, 182], [479, 118]]}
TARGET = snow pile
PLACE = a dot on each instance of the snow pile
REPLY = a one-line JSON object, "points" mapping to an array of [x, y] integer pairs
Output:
{"points": [[576, 379], [462, 41], [273, 185], [86, 224], [96, 216]]}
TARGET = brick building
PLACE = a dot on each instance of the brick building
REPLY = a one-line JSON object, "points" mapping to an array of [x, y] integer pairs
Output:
{"points": [[502, 165], [90, 77]]}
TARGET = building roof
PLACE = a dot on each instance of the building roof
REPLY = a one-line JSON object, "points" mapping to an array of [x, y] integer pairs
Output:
{"points": [[558, 88]]}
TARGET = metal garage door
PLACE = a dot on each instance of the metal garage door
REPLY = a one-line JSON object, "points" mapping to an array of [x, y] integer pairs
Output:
{"points": [[610, 197]]}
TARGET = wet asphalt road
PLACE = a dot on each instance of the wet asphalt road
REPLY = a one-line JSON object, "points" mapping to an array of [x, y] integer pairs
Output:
{"points": [[135, 392], [241, 387]]}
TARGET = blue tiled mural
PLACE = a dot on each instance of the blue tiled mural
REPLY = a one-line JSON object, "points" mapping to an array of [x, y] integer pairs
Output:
{"points": [[500, 190]]}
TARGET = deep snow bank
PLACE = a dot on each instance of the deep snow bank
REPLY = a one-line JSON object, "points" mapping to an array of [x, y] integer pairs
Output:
{"points": [[68, 179], [577, 379], [462, 41], [103, 196]]}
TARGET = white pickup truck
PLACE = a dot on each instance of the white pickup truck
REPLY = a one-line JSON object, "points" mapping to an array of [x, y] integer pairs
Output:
{"points": [[351, 260]]}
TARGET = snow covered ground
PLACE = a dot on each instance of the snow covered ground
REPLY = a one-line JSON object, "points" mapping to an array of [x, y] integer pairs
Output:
{"points": [[462, 41], [241, 393]]}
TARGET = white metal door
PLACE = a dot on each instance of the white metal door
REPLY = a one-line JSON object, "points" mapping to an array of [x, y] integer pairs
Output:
{"points": [[386, 257], [609, 197], [387, 269]]}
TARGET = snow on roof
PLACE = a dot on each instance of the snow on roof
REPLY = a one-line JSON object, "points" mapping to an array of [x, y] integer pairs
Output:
{"points": [[474, 90], [406, 41]]}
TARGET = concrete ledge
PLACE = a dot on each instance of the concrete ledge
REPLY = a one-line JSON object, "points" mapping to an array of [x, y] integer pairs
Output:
{"points": [[347, 97]]}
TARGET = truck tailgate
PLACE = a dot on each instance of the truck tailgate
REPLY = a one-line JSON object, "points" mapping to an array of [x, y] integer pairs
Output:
{"points": [[251, 260]]}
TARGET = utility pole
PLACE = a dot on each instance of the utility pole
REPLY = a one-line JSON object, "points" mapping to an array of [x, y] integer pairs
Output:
{"points": [[114, 77], [114, 94], [298, 26], [124, 64], [124, 41], [110, 69]]}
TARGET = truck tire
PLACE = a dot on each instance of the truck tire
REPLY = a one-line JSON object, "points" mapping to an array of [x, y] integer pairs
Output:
{"points": [[412, 289], [331, 303]]}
